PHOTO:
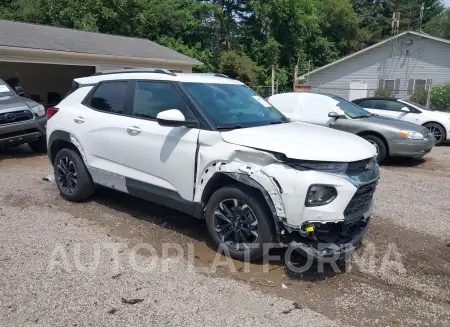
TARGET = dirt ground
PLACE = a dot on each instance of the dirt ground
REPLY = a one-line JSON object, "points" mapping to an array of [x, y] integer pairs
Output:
{"points": [[399, 277]]}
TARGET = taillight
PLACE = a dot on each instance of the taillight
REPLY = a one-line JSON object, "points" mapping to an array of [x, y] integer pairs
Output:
{"points": [[51, 112]]}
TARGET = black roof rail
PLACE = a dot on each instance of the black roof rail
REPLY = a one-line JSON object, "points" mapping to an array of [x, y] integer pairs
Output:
{"points": [[136, 70], [221, 75], [217, 75]]}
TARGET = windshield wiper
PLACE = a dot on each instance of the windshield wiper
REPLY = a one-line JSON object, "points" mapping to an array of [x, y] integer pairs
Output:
{"points": [[276, 122], [228, 127]]}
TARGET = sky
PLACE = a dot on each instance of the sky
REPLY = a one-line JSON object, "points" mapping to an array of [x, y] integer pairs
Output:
{"points": [[447, 2]]}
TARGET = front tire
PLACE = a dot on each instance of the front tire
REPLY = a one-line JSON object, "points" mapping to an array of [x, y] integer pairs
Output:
{"points": [[379, 145], [438, 132], [39, 146], [71, 176], [238, 218]]}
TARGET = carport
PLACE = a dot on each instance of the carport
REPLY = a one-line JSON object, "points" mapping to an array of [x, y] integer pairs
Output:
{"points": [[44, 60]]}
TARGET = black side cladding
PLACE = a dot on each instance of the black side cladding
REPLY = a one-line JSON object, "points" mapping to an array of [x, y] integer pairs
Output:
{"points": [[56, 136], [162, 196]]}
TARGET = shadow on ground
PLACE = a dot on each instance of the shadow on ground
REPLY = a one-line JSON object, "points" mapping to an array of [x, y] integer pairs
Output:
{"points": [[22, 151], [196, 229]]}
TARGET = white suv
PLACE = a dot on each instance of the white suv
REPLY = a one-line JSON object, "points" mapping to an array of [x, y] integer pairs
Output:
{"points": [[209, 146]]}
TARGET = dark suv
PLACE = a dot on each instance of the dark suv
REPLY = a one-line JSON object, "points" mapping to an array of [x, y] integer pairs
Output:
{"points": [[21, 120]]}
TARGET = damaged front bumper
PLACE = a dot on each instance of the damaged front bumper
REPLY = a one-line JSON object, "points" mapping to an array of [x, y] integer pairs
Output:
{"points": [[343, 241]]}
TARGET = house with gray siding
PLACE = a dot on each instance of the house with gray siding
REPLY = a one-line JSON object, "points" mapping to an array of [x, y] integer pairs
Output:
{"points": [[400, 64]]}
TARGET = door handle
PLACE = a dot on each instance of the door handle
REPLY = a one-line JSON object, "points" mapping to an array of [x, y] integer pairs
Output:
{"points": [[134, 130], [78, 120]]}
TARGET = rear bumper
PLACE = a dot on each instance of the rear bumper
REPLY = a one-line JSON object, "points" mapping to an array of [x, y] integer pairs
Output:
{"points": [[22, 132], [411, 148]]}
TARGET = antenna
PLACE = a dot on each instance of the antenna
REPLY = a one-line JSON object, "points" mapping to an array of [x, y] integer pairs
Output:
{"points": [[395, 25], [422, 8]]}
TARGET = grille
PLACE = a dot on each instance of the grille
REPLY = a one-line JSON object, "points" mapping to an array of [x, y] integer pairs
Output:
{"points": [[357, 167], [360, 202], [14, 117]]}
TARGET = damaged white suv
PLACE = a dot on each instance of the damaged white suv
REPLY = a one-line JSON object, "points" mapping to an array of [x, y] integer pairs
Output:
{"points": [[209, 146]]}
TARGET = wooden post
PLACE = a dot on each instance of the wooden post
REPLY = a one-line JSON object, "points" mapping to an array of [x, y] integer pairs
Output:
{"points": [[294, 83]]}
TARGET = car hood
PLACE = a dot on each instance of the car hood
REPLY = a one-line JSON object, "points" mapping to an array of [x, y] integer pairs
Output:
{"points": [[14, 103], [393, 123], [303, 141]]}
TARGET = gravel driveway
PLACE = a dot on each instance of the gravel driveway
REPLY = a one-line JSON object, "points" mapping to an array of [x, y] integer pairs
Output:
{"points": [[49, 275]]}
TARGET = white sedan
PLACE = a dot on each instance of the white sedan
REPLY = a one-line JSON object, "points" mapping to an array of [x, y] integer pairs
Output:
{"points": [[437, 122]]}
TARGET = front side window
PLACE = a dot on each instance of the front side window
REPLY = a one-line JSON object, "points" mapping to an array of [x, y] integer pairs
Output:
{"points": [[151, 98], [387, 105], [110, 97], [352, 110], [233, 105], [5, 91], [366, 104]]}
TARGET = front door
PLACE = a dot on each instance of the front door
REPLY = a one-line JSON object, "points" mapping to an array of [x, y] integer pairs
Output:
{"points": [[161, 156]]}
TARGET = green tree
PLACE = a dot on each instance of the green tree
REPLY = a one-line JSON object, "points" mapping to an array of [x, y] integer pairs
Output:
{"points": [[440, 25]]}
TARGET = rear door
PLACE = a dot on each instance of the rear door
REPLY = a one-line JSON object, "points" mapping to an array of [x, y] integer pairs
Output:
{"points": [[99, 125]]}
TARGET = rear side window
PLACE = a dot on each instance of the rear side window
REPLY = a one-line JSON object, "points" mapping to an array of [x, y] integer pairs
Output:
{"points": [[110, 97], [153, 97]]}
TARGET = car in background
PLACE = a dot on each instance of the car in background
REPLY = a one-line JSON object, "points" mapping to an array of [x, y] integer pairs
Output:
{"points": [[437, 122], [391, 137], [21, 121]]}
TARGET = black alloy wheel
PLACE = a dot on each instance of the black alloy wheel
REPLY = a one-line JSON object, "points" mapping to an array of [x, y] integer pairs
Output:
{"points": [[67, 174], [236, 224]]}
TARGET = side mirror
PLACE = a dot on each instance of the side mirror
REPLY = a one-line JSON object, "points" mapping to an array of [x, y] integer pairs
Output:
{"points": [[333, 114], [19, 90], [405, 109], [174, 118]]}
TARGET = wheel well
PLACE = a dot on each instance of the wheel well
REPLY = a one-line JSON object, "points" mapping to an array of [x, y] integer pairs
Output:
{"points": [[435, 122], [59, 145], [381, 137], [220, 180]]}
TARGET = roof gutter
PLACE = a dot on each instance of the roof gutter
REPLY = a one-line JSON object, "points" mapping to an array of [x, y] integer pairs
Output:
{"points": [[82, 55]]}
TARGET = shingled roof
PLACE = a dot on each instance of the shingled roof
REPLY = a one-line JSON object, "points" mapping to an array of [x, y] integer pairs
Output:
{"points": [[42, 37]]}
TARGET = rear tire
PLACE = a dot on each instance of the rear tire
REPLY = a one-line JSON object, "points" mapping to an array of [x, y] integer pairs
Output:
{"points": [[379, 145], [72, 177], [39, 146], [248, 220]]}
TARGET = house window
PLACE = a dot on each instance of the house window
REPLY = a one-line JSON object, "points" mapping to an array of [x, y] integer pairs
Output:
{"points": [[389, 85], [418, 84], [392, 85]]}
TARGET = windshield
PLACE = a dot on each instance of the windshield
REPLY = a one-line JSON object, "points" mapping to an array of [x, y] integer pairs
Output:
{"points": [[414, 104], [5, 91], [352, 110], [233, 105]]}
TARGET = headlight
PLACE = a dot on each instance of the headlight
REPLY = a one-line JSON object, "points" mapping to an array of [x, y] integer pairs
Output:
{"points": [[319, 195], [411, 135], [331, 167], [39, 110]]}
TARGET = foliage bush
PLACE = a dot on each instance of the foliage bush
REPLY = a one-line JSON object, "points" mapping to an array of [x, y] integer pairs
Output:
{"points": [[420, 97], [440, 97], [383, 93]]}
